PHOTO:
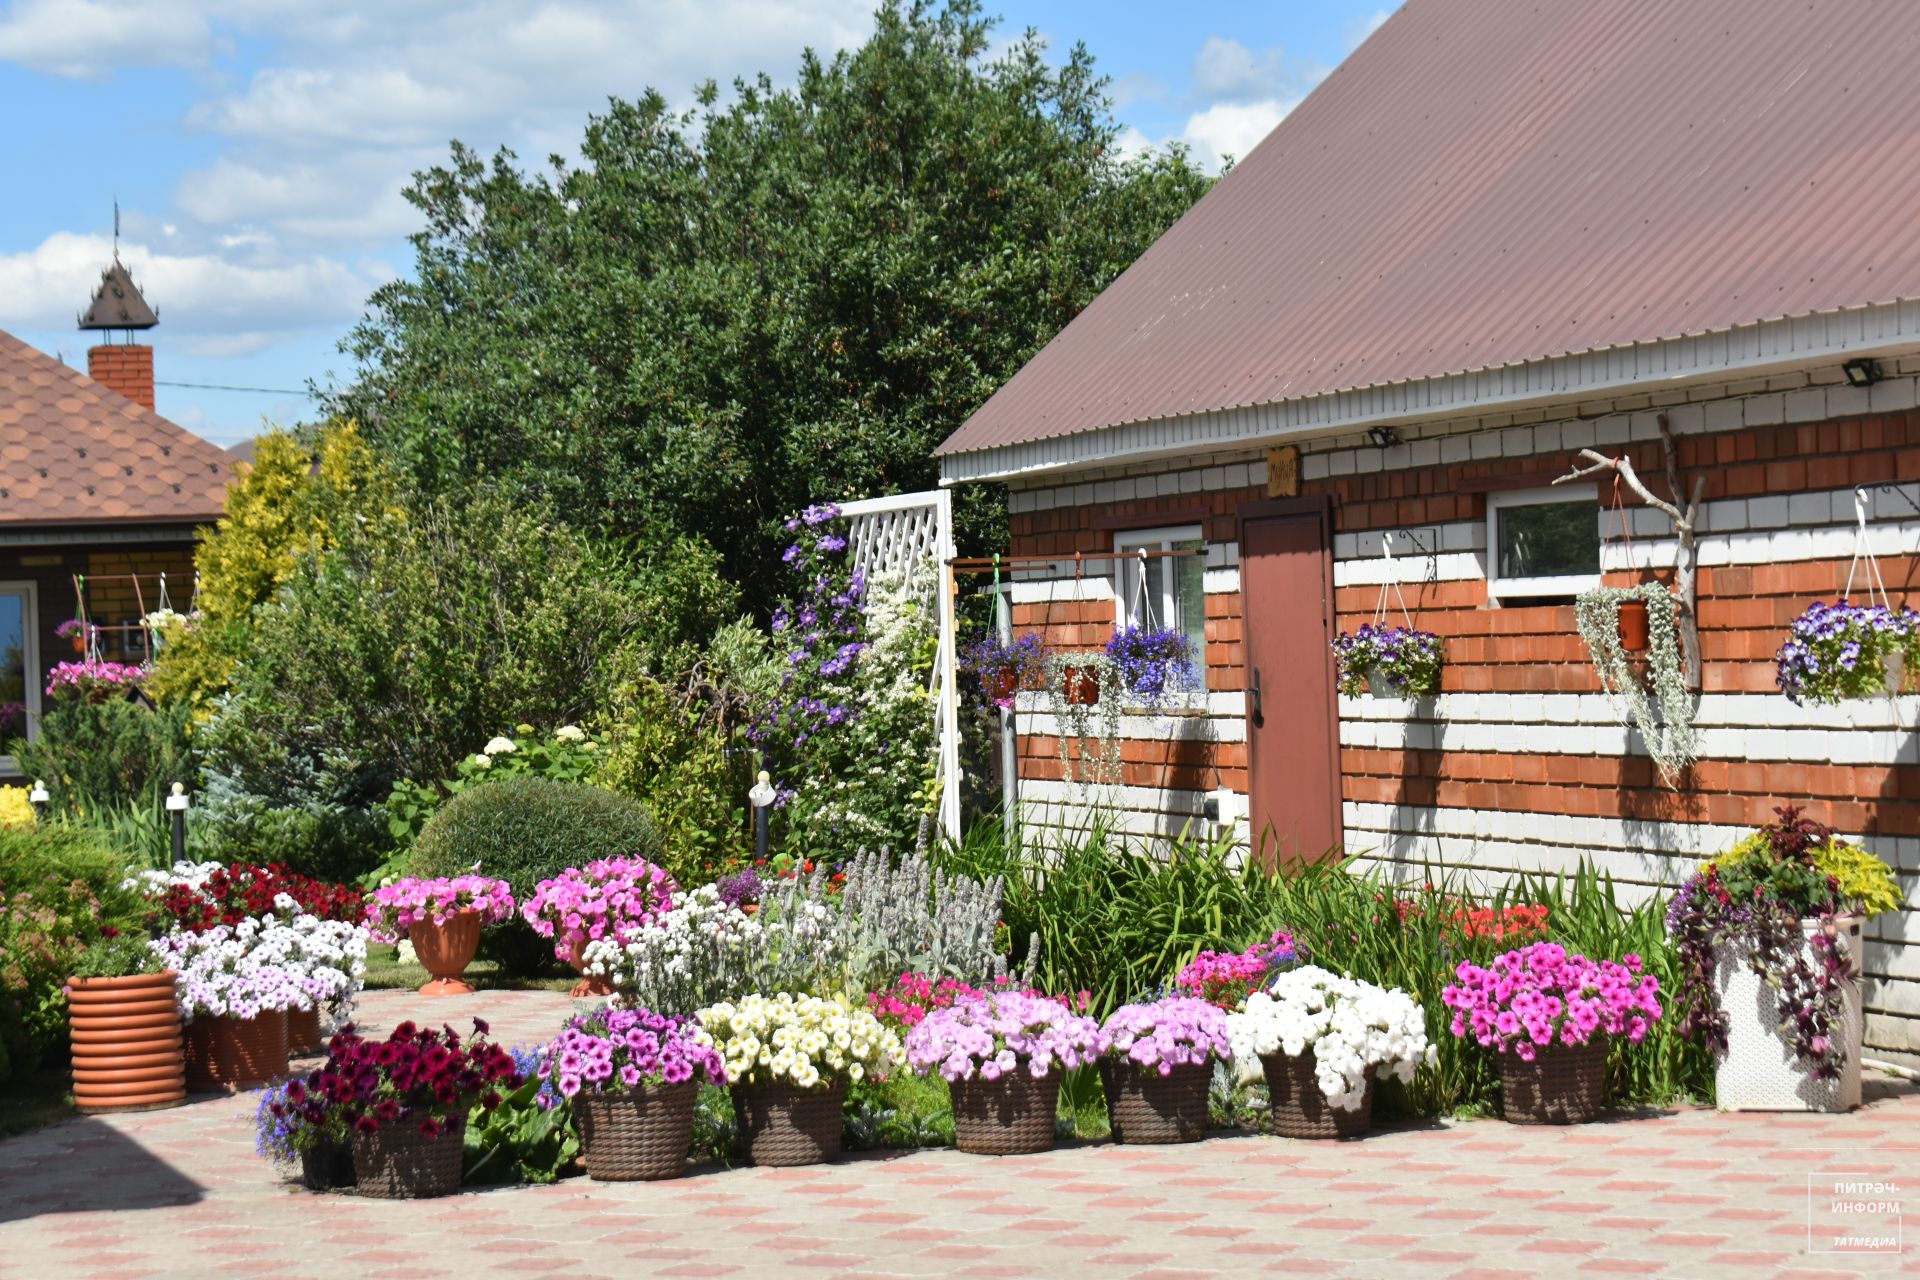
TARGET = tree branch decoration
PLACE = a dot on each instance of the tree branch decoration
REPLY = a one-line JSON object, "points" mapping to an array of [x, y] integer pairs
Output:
{"points": [[1686, 560], [1669, 734]]}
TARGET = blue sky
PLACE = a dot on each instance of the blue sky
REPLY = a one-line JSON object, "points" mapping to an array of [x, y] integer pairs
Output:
{"points": [[258, 147]]}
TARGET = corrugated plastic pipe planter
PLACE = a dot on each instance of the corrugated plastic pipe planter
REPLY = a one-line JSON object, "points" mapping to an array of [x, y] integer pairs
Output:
{"points": [[128, 1050], [231, 1054]]}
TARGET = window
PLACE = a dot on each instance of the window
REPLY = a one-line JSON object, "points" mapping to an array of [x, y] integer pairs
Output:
{"points": [[1164, 591], [1542, 542], [19, 667]]}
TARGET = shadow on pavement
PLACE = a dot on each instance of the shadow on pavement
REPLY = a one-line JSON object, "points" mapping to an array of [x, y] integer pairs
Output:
{"points": [[86, 1164]]}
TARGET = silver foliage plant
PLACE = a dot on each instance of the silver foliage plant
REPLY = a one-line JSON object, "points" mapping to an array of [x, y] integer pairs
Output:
{"points": [[1669, 733], [886, 920]]}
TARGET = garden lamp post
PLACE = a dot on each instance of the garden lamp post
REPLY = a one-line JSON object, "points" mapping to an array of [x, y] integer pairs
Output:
{"points": [[39, 798], [761, 797], [177, 810]]}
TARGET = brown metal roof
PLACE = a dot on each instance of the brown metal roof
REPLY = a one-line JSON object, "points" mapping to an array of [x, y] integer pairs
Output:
{"points": [[73, 452], [1485, 182]]}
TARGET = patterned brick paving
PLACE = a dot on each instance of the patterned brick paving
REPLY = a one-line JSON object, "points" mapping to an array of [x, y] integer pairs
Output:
{"points": [[1685, 1194]]}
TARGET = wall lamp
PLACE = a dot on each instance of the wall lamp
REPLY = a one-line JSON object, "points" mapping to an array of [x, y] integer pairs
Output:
{"points": [[1861, 373], [1387, 437]]}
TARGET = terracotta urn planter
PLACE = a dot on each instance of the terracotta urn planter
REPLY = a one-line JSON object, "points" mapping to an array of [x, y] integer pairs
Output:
{"points": [[1082, 686], [1633, 626], [128, 1050], [590, 984], [232, 1054], [445, 950]]}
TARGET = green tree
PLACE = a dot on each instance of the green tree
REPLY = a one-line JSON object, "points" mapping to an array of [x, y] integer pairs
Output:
{"points": [[720, 316]]}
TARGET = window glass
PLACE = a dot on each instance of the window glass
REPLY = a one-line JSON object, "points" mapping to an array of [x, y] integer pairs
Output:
{"points": [[1164, 591], [1548, 540], [13, 665]]}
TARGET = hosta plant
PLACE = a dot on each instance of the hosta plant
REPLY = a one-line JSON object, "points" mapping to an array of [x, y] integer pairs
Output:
{"points": [[1397, 662], [1159, 1035], [1003, 1032], [1753, 900], [1538, 996], [1843, 650], [799, 1040], [1349, 1026]]}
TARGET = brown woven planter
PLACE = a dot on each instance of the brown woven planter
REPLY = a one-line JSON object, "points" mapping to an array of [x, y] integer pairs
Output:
{"points": [[445, 951], [1300, 1110], [327, 1166], [781, 1125], [1145, 1106], [1011, 1116], [231, 1054], [398, 1162], [128, 1050], [640, 1136], [1566, 1084], [303, 1030]]}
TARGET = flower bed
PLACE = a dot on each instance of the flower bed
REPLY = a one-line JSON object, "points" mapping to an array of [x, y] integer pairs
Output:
{"points": [[198, 896]]}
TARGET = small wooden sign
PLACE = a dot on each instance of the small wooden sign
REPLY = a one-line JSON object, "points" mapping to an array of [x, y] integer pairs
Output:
{"points": [[1283, 471]]}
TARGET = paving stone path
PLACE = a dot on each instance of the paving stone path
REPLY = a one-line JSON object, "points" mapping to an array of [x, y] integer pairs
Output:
{"points": [[1680, 1194]]}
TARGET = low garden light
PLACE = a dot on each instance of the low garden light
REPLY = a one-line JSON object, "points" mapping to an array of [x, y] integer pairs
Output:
{"points": [[177, 815], [1862, 372], [39, 799], [762, 798]]}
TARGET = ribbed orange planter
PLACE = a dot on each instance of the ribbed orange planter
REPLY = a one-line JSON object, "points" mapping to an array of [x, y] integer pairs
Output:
{"points": [[128, 1053], [303, 1030], [589, 984], [231, 1054], [446, 950]]}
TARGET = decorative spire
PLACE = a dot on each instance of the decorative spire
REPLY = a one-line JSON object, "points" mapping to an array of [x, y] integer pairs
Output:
{"points": [[117, 303]]}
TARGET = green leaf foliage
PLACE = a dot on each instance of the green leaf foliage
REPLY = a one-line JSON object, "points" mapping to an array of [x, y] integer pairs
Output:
{"points": [[719, 316]]}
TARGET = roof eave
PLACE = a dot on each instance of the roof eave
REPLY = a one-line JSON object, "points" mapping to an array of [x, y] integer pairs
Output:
{"points": [[1723, 355]]}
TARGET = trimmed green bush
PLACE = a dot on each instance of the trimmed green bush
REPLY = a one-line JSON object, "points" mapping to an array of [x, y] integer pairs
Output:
{"points": [[527, 829]]}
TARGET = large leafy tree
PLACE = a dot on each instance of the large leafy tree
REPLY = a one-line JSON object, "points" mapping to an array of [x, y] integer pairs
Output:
{"points": [[721, 315]]}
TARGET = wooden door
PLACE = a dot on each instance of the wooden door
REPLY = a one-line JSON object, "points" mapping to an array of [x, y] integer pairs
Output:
{"points": [[1293, 735]]}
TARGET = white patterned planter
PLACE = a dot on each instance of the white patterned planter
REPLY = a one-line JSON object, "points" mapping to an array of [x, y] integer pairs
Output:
{"points": [[1760, 1071]]}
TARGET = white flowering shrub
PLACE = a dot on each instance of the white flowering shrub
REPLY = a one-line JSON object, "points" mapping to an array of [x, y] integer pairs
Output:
{"points": [[801, 1040], [1348, 1025], [700, 951]]}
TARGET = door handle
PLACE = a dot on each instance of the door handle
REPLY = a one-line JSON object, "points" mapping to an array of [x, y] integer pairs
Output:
{"points": [[1258, 717]]}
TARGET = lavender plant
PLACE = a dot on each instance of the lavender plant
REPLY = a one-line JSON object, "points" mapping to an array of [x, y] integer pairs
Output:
{"points": [[1843, 650]]}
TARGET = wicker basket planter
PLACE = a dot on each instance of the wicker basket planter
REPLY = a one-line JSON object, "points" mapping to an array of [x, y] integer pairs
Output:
{"points": [[327, 1166], [1147, 1107], [1760, 1071], [445, 951], [1014, 1115], [128, 1050], [303, 1031], [638, 1136], [398, 1162], [782, 1125], [1564, 1084], [231, 1054], [1300, 1110]]}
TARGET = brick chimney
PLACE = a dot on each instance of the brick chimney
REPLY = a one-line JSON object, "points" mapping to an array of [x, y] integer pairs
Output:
{"points": [[127, 369]]}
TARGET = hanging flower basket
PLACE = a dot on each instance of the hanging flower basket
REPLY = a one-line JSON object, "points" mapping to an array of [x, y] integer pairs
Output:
{"points": [[1155, 665], [1389, 662], [1665, 720], [1004, 667], [1841, 650]]}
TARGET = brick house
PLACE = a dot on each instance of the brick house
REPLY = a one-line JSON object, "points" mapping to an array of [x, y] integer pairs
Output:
{"points": [[1501, 233], [99, 495]]}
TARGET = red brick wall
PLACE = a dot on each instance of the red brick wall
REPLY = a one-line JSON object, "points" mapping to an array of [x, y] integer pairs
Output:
{"points": [[127, 369]]}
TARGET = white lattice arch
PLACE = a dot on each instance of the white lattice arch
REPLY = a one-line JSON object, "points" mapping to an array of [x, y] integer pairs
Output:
{"points": [[911, 534]]}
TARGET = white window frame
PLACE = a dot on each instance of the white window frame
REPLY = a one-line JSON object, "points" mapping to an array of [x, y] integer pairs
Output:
{"points": [[1498, 588], [30, 652], [1161, 539]]}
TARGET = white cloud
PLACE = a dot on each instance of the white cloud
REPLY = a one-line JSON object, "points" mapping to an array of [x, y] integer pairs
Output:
{"points": [[1233, 128], [211, 301], [87, 39]]}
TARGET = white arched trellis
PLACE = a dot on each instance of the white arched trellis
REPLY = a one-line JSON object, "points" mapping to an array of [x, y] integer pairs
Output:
{"points": [[911, 534]]}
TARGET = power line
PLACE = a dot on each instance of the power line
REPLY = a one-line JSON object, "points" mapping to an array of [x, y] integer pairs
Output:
{"points": [[214, 386]]}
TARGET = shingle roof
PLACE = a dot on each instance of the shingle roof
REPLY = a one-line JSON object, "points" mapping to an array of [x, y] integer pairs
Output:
{"points": [[1486, 182], [73, 452]]}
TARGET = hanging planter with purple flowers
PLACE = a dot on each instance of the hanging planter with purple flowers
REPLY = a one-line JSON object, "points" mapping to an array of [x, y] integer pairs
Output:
{"points": [[1841, 650]]}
